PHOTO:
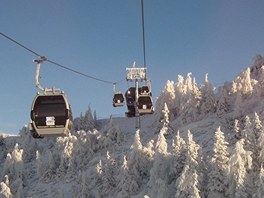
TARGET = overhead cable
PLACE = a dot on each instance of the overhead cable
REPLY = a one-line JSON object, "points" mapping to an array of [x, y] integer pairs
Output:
{"points": [[143, 33], [57, 64], [23, 46]]}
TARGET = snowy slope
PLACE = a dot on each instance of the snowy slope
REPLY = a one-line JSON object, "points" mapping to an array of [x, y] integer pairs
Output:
{"points": [[200, 142]]}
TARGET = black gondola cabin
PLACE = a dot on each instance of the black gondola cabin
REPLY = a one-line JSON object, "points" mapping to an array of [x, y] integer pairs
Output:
{"points": [[118, 100], [50, 115], [145, 105]]}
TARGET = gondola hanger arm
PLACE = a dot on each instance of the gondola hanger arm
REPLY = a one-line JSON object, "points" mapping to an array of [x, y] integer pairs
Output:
{"points": [[38, 85], [38, 61]]}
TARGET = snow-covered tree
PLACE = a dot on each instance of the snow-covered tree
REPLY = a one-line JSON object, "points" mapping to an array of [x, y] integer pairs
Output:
{"points": [[84, 148], [167, 96], [239, 163], [5, 191], [257, 126], [137, 145], [13, 166], [223, 103], [161, 145], [236, 130], [46, 166], [180, 92], [89, 181], [242, 91], [127, 184], [39, 168], [29, 145], [187, 184], [66, 159], [77, 123], [252, 149], [217, 184], [166, 118], [260, 185], [191, 101], [243, 82], [162, 189], [159, 173], [85, 122], [95, 119], [252, 133], [3, 149], [112, 134], [88, 122], [193, 151], [140, 160], [257, 131], [208, 102], [109, 170], [179, 155], [165, 121], [261, 146], [247, 134]]}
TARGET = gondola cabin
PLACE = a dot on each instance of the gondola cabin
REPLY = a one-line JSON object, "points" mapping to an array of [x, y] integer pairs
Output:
{"points": [[145, 105], [50, 115], [130, 101], [130, 96], [145, 91], [118, 100]]}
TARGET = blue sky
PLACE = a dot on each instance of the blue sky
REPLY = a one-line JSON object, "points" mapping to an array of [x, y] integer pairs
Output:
{"points": [[101, 38]]}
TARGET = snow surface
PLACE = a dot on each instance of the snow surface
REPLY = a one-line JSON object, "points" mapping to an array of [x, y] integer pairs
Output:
{"points": [[200, 142]]}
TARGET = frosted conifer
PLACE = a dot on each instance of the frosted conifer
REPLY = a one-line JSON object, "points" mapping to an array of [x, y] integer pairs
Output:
{"points": [[179, 155], [187, 184], [208, 103], [161, 145], [108, 175], [236, 130], [5, 191], [159, 173], [168, 96], [257, 131], [139, 161], [239, 162], [126, 185], [260, 185], [217, 185], [14, 164], [192, 157], [222, 105]]}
